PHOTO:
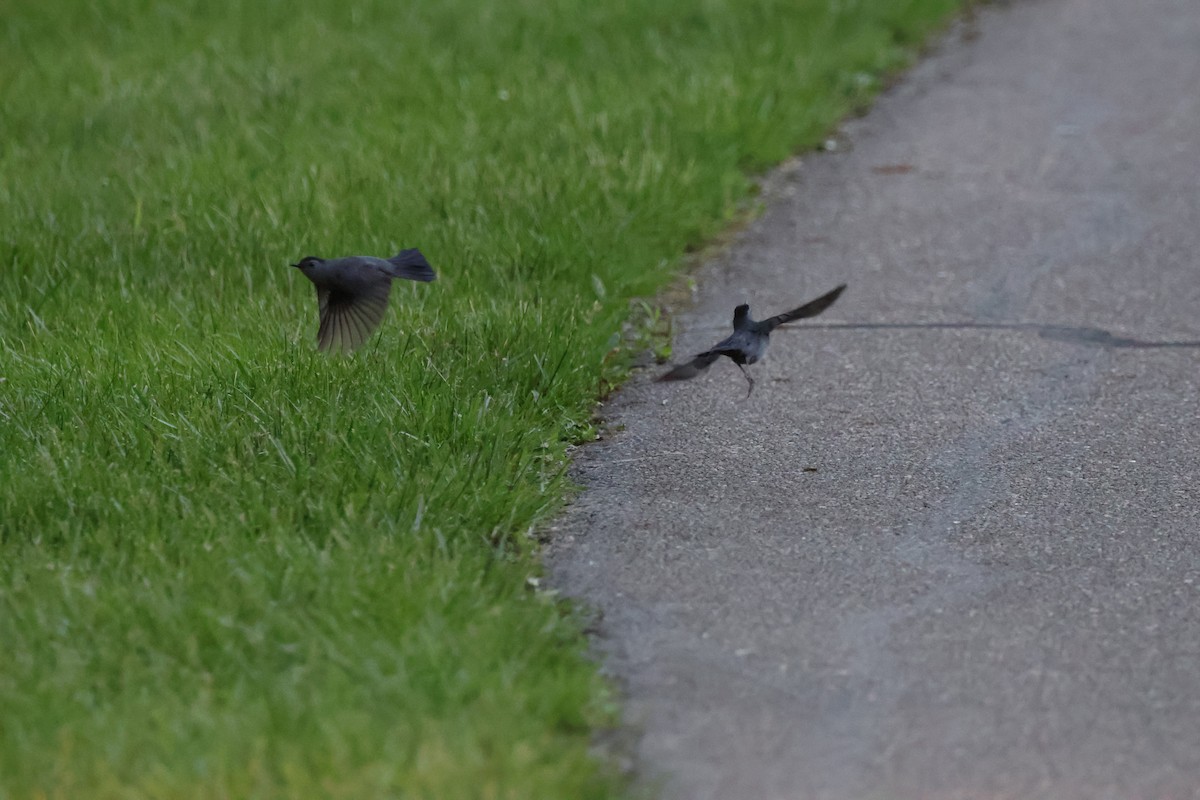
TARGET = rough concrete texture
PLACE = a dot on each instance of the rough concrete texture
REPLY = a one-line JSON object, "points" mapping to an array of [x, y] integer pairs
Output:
{"points": [[950, 548]]}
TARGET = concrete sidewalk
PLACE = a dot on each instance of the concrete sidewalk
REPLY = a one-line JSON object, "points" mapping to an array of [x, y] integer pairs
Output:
{"points": [[950, 548]]}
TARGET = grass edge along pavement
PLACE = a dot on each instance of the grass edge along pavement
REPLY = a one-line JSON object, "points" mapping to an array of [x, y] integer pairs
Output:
{"points": [[232, 567]]}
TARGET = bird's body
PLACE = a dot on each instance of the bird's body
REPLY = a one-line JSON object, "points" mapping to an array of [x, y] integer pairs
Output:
{"points": [[352, 292], [749, 339]]}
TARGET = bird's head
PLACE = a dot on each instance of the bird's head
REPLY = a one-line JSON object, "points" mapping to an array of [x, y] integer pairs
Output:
{"points": [[307, 263], [741, 314]]}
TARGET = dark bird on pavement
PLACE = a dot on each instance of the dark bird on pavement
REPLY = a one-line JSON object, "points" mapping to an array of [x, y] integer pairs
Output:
{"points": [[749, 339], [352, 293]]}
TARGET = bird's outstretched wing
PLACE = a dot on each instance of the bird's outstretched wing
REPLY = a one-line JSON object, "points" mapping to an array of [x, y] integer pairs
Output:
{"points": [[692, 368], [809, 309], [347, 320]]}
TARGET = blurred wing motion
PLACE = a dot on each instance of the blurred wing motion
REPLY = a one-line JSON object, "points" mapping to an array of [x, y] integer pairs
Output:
{"points": [[348, 320], [692, 368], [412, 265], [809, 309]]}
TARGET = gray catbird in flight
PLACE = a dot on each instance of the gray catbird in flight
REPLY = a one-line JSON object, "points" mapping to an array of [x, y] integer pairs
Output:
{"points": [[749, 339], [352, 292]]}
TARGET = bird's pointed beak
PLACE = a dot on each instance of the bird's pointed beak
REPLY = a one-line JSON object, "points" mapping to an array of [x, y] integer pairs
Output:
{"points": [[297, 266]]}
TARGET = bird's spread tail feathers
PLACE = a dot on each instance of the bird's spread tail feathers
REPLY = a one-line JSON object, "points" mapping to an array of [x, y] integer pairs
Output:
{"points": [[412, 265]]}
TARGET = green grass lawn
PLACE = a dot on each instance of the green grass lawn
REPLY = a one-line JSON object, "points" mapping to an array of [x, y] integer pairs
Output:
{"points": [[232, 567]]}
